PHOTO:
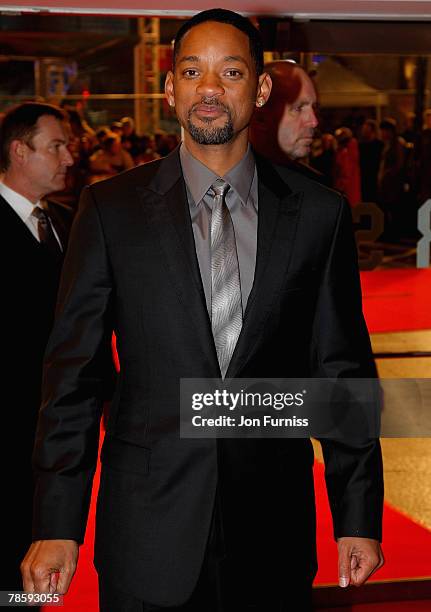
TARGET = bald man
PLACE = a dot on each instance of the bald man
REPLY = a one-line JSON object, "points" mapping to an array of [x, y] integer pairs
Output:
{"points": [[282, 130]]}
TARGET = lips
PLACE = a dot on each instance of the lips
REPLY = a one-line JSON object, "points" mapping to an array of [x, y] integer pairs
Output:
{"points": [[307, 136], [209, 110]]}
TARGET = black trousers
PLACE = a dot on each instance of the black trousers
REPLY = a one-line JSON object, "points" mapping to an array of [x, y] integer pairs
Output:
{"points": [[223, 585], [212, 594], [261, 549]]}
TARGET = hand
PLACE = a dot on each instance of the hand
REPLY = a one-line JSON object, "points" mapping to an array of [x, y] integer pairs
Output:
{"points": [[49, 566], [358, 558]]}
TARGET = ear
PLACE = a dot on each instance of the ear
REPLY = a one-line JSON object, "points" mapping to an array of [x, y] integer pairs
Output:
{"points": [[169, 88], [263, 89], [18, 152]]}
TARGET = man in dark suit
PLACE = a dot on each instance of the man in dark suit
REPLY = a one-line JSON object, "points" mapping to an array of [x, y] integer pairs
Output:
{"points": [[34, 159], [208, 263], [282, 131]]}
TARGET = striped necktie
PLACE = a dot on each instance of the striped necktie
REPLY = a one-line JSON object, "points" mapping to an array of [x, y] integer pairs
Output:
{"points": [[46, 235], [226, 306]]}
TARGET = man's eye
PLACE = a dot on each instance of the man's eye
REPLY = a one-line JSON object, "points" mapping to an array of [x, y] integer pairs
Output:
{"points": [[190, 72], [233, 73]]}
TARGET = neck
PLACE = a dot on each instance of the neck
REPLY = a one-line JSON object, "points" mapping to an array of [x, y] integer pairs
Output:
{"points": [[19, 185], [219, 158]]}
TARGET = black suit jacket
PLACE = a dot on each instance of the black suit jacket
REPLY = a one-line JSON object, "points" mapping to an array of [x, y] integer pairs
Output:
{"points": [[132, 267], [29, 288], [30, 282]]}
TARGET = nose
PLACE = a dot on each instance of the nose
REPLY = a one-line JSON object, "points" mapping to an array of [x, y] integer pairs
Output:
{"points": [[67, 159], [313, 120], [209, 85]]}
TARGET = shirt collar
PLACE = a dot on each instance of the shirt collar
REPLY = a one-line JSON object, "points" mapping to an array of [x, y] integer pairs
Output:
{"points": [[21, 205], [199, 177]]}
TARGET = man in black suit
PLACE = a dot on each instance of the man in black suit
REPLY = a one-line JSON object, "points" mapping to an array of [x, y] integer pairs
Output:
{"points": [[282, 131], [205, 524], [34, 159]]}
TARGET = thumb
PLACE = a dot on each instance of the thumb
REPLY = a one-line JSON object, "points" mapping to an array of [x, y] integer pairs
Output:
{"points": [[343, 566], [54, 582]]}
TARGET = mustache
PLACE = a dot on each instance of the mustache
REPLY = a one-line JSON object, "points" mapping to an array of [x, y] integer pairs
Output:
{"points": [[214, 101]]}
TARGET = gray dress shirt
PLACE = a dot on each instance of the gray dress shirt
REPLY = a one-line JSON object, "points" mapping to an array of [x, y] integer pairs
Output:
{"points": [[241, 199]]}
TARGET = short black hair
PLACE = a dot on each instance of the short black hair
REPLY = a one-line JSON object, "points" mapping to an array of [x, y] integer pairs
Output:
{"points": [[20, 123], [231, 18]]}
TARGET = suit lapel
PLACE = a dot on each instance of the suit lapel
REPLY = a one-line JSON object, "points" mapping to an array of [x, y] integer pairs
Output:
{"points": [[167, 211], [57, 214], [277, 220], [15, 225]]}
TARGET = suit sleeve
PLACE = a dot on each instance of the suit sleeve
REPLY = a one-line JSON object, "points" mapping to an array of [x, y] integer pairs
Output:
{"points": [[353, 468], [66, 446]]}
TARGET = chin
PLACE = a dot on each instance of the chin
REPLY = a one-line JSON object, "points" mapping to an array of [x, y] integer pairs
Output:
{"points": [[303, 153]]}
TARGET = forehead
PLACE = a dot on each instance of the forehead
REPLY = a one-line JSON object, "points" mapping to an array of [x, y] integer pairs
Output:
{"points": [[212, 39], [50, 128], [291, 85], [307, 91]]}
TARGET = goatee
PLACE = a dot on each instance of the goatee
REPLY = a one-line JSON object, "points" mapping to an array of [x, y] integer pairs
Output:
{"points": [[211, 135]]}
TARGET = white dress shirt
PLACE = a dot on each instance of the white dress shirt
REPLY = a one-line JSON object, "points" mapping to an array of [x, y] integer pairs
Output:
{"points": [[24, 209]]}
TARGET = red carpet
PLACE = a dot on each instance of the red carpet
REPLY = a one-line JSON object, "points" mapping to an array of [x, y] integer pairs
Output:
{"points": [[407, 545], [407, 549], [392, 606], [397, 300]]}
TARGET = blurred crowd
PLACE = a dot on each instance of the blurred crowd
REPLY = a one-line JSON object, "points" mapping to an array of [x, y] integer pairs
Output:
{"points": [[108, 150], [381, 165], [374, 162]]}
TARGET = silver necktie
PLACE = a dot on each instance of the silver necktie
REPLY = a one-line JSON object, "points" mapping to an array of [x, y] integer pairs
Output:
{"points": [[226, 306]]}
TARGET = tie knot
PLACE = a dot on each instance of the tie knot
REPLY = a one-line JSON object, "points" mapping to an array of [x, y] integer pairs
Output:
{"points": [[220, 187], [40, 214]]}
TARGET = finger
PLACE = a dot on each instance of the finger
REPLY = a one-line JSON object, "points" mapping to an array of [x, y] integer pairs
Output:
{"points": [[64, 580], [53, 582], [343, 566], [381, 562], [41, 576], [27, 582], [363, 571], [354, 562], [27, 579]]}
